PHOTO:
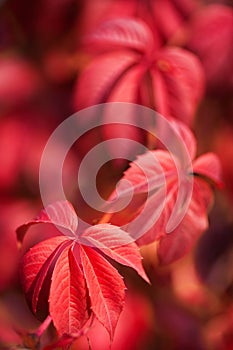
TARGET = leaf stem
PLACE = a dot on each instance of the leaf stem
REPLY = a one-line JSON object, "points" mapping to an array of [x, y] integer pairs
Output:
{"points": [[43, 326], [105, 219]]}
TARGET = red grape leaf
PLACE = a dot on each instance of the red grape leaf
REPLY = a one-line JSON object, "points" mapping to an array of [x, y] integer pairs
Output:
{"points": [[170, 16], [104, 235], [56, 269], [182, 79], [128, 256], [68, 295], [116, 244], [36, 264], [99, 78], [122, 32], [146, 178], [125, 90], [208, 166], [186, 6], [179, 242], [186, 137], [106, 288], [148, 170], [172, 77], [61, 214], [149, 219], [152, 219], [167, 18]]}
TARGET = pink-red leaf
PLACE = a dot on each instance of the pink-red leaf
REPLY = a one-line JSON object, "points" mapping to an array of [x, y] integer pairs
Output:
{"points": [[152, 219], [104, 236], [106, 288], [72, 275], [208, 165], [61, 214], [172, 79], [115, 243], [185, 137], [128, 255], [179, 242], [99, 78], [167, 18], [125, 90], [160, 215], [146, 178], [36, 264], [156, 227], [182, 78], [68, 295], [124, 33]]}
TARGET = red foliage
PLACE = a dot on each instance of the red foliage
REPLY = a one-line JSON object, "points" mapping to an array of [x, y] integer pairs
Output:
{"points": [[168, 79], [154, 179], [61, 56], [70, 273]]}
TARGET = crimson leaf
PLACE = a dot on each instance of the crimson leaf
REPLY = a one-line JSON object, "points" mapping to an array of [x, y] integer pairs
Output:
{"points": [[154, 182], [173, 77], [72, 271]]}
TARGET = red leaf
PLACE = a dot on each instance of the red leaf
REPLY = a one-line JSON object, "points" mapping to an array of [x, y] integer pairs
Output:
{"points": [[170, 16], [104, 236], [208, 165], [167, 18], [179, 242], [183, 82], [60, 214], [116, 244], [128, 255], [125, 90], [69, 273], [172, 78], [157, 216], [146, 179], [124, 33], [149, 227], [99, 78], [186, 6], [106, 288], [160, 93], [68, 295], [146, 172], [36, 264], [186, 137]]}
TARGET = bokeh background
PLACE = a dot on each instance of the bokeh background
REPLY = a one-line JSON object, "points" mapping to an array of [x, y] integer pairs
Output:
{"points": [[43, 54]]}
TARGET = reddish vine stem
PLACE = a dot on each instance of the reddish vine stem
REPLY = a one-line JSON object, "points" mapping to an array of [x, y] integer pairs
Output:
{"points": [[105, 219], [43, 327]]}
